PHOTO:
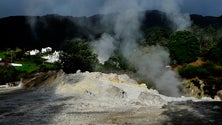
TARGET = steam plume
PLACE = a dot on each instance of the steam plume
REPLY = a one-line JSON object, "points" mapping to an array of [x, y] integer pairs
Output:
{"points": [[171, 8], [107, 42], [151, 61]]}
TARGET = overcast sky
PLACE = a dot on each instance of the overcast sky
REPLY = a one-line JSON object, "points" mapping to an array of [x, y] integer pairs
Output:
{"points": [[90, 7]]}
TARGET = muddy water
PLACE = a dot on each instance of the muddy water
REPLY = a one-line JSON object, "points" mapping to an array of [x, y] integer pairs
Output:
{"points": [[22, 107]]}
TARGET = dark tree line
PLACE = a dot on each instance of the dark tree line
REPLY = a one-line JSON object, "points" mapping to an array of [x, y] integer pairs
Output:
{"points": [[53, 30]]}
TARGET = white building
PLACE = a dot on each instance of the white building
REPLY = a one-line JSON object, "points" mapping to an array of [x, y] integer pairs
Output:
{"points": [[34, 52], [47, 49], [15, 64], [52, 58]]}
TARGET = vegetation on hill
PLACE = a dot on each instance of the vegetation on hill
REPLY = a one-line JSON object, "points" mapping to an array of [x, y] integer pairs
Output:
{"points": [[208, 73], [32, 32], [215, 53], [29, 63], [184, 47], [8, 74], [203, 41], [77, 55]]}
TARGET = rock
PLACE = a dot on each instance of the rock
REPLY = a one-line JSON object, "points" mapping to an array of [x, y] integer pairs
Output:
{"points": [[195, 87], [217, 98], [38, 79], [107, 89], [151, 99], [98, 89], [10, 84], [78, 71], [116, 92], [219, 94], [216, 107]]}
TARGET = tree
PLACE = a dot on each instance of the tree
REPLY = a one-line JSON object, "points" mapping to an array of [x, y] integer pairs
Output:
{"points": [[209, 38], [215, 53], [184, 47], [157, 35], [117, 62], [8, 74], [77, 55]]}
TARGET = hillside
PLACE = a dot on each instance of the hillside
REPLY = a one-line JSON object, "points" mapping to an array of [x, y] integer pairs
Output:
{"points": [[205, 21], [51, 30], [203, 41]]}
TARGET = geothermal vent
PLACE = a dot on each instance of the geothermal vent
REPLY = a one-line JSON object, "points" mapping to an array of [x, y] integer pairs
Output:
{"points": [[108, 89], [111, 90]]}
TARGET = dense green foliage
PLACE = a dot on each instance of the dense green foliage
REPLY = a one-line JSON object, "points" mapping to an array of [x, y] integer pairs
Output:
{"points": [[29, 63], [77, 55], [208, 72], [190, 71], [203, 40], [117, 62], [34, 64], [51, 30], [3, 54], [157, 35], [8, 74], [184, 47], [215, 53], [28, 67]]}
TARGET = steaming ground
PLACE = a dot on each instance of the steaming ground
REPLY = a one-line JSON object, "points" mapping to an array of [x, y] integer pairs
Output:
{"points": [[97, 98], [126, 25]]}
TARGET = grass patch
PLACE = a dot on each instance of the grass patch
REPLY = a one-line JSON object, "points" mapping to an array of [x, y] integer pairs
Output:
{"points": [[149, 84], [190, 71], [3, 54], [50, 66], [28, 67]]}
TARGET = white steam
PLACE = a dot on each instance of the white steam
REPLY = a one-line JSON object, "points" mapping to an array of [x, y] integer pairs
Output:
{"points": [[104, 47], [171, 8], [90, 7], [150, 62], [180, 21]]}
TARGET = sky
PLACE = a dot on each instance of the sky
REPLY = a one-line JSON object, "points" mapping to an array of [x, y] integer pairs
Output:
{"points": [[91, 7]]}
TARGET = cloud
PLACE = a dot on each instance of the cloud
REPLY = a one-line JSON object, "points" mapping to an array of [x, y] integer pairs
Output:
{"points": [[43, 7], [203, 7], [91, 7], [64, 7]]}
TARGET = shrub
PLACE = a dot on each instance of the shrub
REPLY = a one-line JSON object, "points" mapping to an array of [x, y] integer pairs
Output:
{"points": [[190, 71], [77, 54], [118, 62], [184, 47], [8, 74], [215, 53], [214, 70]]}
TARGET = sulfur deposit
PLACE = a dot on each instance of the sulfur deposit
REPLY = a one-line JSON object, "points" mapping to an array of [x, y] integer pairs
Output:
{"points": [[57, 98], [108, 90]]}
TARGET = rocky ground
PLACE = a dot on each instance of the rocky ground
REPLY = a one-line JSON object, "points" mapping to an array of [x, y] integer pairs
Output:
{"points": [[96, 98]]}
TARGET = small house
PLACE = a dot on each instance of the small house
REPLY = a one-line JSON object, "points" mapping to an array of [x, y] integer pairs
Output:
{"points": [[47, 49]]}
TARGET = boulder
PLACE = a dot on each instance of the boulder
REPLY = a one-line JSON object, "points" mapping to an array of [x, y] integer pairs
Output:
{"points": [[37, 79], [219, 94], [10, 84]]}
